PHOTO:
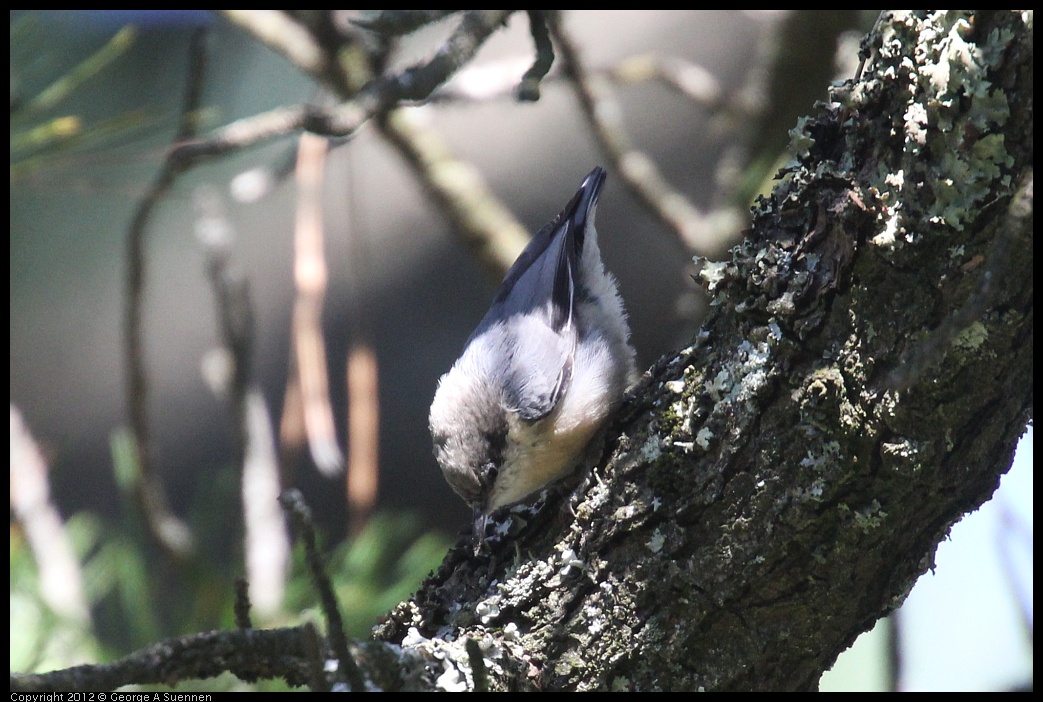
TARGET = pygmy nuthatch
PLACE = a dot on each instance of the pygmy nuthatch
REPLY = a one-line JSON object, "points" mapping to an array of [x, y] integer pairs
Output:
{"points": [[545, 368]]}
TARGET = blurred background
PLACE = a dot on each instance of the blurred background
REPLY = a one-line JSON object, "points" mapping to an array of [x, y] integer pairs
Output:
{"points": [[96, 97]]}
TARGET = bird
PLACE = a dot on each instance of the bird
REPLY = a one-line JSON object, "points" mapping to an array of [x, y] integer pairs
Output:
{"points": [[542, 372]]}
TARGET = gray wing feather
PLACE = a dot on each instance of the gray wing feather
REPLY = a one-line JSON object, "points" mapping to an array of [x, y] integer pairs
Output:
{"points": [[531, 320]]}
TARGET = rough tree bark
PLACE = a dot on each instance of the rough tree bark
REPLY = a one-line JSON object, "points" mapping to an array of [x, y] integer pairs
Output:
{"points": [[773, 489], [778, 486]]}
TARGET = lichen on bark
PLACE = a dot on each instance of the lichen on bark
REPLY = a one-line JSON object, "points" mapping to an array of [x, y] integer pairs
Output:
{"points": [[775, 487]]}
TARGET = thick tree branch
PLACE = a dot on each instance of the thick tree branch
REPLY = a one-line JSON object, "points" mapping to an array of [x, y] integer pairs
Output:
{"points": [[778, 485], [772, 492]]}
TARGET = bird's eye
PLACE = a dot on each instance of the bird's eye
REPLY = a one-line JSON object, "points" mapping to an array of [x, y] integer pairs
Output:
{"points": [[490, 473]]}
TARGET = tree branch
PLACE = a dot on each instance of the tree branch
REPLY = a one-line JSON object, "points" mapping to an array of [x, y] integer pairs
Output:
{"points": [[637, 169], [774, 488], [173, 535], [771, 492]]}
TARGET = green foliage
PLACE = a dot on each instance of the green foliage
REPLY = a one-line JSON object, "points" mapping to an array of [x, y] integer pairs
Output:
{"points": [[39, 131], [371, 572], [40, 638]]}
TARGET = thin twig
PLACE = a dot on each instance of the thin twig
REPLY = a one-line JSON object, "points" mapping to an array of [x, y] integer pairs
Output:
{"points": [[418, 82], [173, 534], [266, 544], [415, 83], [529, 88], [242, 604], [636, 168], [300, 516], [458, 188], [487, 226], [497, 80], [279, 31]]}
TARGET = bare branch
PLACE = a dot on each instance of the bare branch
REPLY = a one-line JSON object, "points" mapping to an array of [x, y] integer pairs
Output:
{"points": [[380, 94], [639, 172], [489, 228], [529, 88], [487, 225], [250, 654], [227, 370], [165, 527], [300, 515], [281, 33]]}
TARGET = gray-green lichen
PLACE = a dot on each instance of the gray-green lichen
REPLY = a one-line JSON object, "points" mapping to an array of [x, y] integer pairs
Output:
{"points": [[972, 337], [951, 128], [628, 598], [448, 661], [743, 380]]}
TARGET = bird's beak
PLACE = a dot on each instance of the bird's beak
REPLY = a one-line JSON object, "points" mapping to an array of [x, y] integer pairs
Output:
{"points": [[481, 521]]}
